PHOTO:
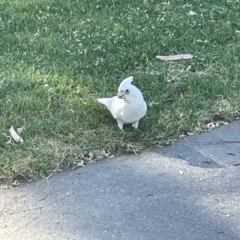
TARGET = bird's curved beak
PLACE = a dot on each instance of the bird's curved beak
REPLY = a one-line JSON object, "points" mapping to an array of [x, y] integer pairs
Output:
{"points": [[120, 95]]}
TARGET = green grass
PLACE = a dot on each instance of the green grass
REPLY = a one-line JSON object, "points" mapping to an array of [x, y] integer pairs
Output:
{"points": [[58, 56]]}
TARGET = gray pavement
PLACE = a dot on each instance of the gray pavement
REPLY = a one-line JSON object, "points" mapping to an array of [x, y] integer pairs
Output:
{"points": [[187, 191]]}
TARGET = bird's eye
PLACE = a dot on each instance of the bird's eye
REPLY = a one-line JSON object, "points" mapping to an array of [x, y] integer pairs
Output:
{"points": [[127, 91]]}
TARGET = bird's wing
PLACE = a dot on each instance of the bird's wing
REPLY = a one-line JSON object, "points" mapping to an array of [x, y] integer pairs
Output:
{"points": [[133, 112], [116, 107]]}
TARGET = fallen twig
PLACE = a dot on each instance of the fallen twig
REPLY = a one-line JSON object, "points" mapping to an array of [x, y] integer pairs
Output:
{"points": [[175, 57]]}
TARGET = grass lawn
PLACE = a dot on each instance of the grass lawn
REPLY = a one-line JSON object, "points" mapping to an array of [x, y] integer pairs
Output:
{"points": [[58, 56]]}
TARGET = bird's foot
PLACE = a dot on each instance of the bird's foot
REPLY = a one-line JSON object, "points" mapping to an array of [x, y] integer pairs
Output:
{"points": [[135, 125], [137, 130]]}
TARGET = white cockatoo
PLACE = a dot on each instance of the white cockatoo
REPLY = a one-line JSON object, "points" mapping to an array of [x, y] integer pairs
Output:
{"points": [[128, 106]]}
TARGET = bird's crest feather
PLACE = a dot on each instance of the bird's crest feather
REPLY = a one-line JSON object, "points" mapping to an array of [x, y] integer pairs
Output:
{"points": [[125, 81]]}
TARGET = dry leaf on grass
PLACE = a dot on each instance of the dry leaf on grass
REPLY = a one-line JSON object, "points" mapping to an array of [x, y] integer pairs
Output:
{"points": [[175, 57], [81, 163], [19, 130], [15, 136], [211, 125], [190, 133], [192, 13], [189, 68]]}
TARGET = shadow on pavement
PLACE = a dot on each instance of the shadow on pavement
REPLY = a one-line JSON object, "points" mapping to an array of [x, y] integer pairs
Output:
{"points": [[215, 149], [145, 197]]}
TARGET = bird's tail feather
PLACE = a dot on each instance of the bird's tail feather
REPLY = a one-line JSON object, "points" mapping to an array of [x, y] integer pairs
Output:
{"points": [[105, 101]]}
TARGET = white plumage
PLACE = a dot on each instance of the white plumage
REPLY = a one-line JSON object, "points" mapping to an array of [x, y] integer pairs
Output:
{"points": [[128, 106]]}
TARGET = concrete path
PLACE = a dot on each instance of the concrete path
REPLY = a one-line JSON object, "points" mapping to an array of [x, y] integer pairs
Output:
{"points": [[187, 191]]}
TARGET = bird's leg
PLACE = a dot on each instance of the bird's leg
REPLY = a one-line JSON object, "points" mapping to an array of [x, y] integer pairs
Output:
{"points": [[135, 125], [120, 124]]}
